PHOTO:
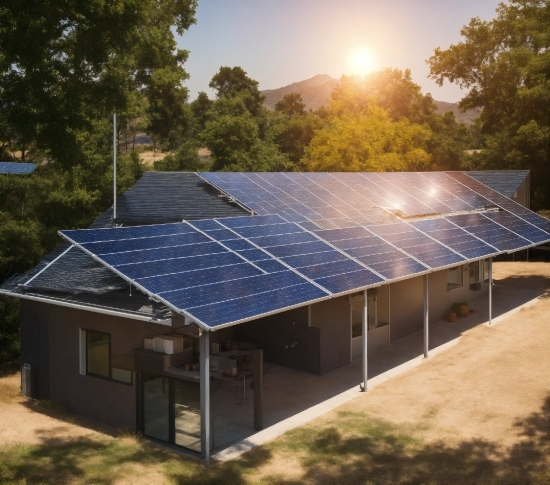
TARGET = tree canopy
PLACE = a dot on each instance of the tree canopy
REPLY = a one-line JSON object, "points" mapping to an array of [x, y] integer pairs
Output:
{"points": [[63, 64], [505, 65]]}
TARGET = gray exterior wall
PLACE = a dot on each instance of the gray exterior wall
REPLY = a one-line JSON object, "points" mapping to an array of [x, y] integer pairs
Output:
{"points": [[107, 401], [333, 318], [407, 301]]}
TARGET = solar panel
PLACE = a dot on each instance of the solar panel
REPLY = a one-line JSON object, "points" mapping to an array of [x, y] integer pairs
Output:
{"points": [[17, 168], [374, 252], [423, 248], [519, 226], [490, 232], [457, 239], [502, 201], [190, 272]]}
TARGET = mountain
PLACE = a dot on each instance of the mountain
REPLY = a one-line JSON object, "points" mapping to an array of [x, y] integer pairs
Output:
{"points": [[467, 117], [316, 92]]}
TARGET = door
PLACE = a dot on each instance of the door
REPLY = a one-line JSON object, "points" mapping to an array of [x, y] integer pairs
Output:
{"points": [[170, 411]]}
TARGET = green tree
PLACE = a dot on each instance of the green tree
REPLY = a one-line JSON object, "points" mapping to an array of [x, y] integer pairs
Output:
{"points": [[184, 159], [505, 66], [200, 107], [291, 104], [368, 142], [230, 82], [73, 62]]}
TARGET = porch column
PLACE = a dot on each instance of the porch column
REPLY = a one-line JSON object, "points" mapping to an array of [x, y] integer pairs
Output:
{"points": [[490, 291], [365, 325], [204, 344], [426, 316]]}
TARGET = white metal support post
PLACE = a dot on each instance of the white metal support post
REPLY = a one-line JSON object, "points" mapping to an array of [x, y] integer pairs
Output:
{"points": [[204, 344], [365, 326], [114, 169], [490, 291], [426, 316]]}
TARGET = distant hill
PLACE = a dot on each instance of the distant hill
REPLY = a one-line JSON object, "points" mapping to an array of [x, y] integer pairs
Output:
{"points": [[316, 92], [468, 117]]}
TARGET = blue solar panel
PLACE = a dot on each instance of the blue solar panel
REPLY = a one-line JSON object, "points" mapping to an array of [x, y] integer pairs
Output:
{"points": [[269, 241], [254, 254], [227, 290], [189, 279], [329, 269], [490, 232], [162, 253], [270, 265], [268, 230], [167, 266], [399, 268], [256, 305], [315, 258], [17, 168], [297, 249], [221, 234], [519, 226], [145, 243], [122, 233], [455, 238], [346, 282]]}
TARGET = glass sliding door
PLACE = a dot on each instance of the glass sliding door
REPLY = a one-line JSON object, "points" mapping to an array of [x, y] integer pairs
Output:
{"points": [[187, 415], [156, 407]]}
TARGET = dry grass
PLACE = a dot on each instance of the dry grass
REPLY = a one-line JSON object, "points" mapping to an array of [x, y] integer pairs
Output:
{"points": [[478, 413]]}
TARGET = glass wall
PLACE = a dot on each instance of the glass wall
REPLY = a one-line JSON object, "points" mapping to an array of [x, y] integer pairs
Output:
{"points": [[156, 407], [187, 415]]}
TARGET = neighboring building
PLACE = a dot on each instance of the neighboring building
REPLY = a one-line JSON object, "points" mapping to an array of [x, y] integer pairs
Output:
{"points": [[284, 263]]}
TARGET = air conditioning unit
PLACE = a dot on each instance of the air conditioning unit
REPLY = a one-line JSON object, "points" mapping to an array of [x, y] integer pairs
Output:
{"points": [[475, 286], [168, 344]]}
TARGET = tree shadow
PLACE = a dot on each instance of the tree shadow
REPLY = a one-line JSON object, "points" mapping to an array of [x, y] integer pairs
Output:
{"points": [[383, 454]]}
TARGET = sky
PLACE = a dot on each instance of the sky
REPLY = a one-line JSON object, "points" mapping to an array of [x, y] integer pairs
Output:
{"points": [[278, 42]]}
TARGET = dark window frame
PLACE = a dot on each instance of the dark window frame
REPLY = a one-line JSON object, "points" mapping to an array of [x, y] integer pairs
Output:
{"points": [[110, 377]]}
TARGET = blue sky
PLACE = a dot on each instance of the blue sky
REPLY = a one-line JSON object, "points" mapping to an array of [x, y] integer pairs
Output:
{"points": [[278, 42]]}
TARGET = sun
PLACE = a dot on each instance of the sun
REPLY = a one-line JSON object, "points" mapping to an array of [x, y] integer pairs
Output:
{"points": [[361, 62]]}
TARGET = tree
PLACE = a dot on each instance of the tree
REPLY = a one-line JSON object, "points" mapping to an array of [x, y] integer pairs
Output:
{"points": [[230, 82], [73, 62], [368, 142], [200, 108], [505, 65], [391, 89], [291, 105]]}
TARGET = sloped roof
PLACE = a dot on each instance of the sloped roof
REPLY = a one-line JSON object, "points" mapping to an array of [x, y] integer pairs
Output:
{"points": [[75, 277], [506, 182]]}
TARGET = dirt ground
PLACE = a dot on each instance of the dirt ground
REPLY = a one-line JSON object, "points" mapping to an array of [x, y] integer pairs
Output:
{"points": [[489, 395]]}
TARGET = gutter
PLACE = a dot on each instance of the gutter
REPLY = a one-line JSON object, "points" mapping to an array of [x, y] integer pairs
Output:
{"points": [[77, 306]]}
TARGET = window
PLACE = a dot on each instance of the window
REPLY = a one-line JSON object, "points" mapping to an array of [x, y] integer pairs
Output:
{"points": [[96, 358], [98, 354], [475, 271], [454, 278]]}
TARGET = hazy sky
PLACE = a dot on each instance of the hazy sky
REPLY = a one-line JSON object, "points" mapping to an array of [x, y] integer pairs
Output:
{"points": [[278, 42]]}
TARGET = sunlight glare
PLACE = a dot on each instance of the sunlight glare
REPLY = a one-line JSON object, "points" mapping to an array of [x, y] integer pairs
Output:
{"points": [[361, 62]]}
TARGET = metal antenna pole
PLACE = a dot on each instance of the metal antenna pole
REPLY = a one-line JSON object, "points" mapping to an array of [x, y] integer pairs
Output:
{"points": [[114, 169]]}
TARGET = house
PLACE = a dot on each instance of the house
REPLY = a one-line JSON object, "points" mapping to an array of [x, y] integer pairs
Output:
{"points": [[208, 275]]}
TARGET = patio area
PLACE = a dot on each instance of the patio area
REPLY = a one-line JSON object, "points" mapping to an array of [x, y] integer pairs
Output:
{"points": [[292, 398]]}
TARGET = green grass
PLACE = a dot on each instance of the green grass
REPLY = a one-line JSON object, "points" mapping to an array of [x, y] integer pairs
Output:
{"points": [[350, 448]]}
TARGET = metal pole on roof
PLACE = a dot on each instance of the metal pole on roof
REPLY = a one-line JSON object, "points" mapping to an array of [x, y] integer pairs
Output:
{"points": [[426, 316], [365, 326], [114, 169], [204, 344], [490, 291]]}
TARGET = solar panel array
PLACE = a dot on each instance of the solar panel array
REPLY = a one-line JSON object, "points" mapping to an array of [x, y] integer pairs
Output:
{"points": [[16, 168], [318, 235]]}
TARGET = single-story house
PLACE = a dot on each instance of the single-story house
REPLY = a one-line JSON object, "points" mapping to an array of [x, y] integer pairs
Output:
{"points": [[206, 276]]}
